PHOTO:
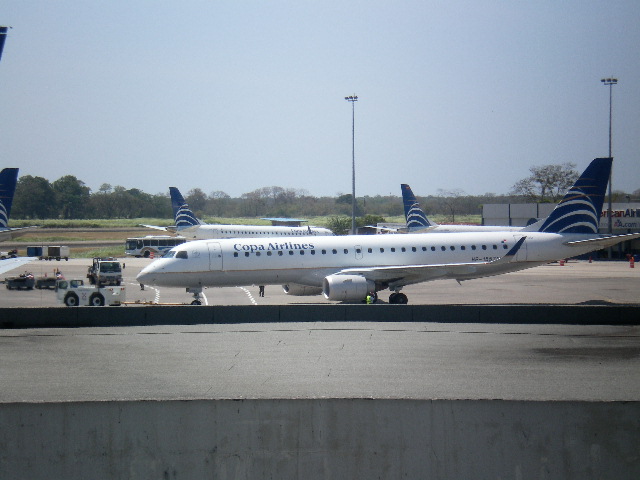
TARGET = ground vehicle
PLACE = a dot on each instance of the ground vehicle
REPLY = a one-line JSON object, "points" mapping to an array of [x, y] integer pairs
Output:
{"points": [[48, 252], [45, 282], [10, 254], [74, 293], [24, 280], [105, 271], [158, 244]]}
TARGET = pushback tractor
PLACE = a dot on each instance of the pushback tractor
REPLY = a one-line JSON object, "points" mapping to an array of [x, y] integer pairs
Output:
{"points": [[75, 293]]}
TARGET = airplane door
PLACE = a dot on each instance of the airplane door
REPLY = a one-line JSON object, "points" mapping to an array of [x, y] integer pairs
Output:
{"points": [[358, 251], [215, 256], [521, 255]]}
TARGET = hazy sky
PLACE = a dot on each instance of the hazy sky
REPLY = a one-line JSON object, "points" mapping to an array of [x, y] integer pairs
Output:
{"points": [[237, 95]]}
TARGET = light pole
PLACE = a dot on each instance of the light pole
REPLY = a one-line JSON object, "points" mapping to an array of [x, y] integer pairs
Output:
{"points": [[610, 82], [353, 99]]}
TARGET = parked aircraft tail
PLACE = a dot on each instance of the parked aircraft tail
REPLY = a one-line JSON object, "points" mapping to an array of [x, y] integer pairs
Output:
{"points": [[183, 215], [8, 180], [414, 215], [580, 209]]}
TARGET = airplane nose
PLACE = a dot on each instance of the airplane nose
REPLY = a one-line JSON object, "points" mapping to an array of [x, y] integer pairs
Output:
{"points": [[142, 277], [145, 277]]}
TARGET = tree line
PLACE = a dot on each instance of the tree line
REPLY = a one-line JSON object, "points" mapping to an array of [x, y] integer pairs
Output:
{"points": [[70, 198]]}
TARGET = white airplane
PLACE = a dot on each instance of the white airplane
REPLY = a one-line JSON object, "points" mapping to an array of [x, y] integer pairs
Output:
{"points": [[348, 268], [190, 227], [418, 222]]}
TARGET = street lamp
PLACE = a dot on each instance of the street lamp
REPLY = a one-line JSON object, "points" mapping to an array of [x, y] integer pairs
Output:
{"points": [[610, 82], [353, 99]]}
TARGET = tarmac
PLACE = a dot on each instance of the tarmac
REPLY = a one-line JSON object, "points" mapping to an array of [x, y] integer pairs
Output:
{"points": [[331, 359]]}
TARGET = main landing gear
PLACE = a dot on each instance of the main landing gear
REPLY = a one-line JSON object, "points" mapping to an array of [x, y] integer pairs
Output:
{"points": [[196, 291], [398, 298]]}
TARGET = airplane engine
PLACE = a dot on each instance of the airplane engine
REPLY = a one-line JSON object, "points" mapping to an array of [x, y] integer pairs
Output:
{"points": [[298, 290], [346, 287]]}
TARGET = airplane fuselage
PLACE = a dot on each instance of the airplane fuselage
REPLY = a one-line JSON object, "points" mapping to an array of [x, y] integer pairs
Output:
{"points": [[308, 260], [206, 232]]}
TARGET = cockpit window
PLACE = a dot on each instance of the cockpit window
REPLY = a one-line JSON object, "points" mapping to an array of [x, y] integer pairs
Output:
{"points": [[182, 254], [169, 254]]}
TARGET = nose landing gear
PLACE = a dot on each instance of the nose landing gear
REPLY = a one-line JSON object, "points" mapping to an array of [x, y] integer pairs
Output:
{"points": [[197, 298]]}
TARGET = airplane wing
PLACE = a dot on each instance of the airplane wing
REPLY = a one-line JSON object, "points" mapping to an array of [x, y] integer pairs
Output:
{"points": [[408, 274], [604, 242], [171, 228], [13, 229], [12, 263], [403, 229]]}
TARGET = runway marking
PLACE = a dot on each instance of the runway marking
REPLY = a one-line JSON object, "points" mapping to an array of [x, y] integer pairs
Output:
{"points": [[156, 298], [253, 300]]}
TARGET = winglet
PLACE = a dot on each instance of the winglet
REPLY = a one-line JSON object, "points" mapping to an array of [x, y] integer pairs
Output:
{"points": [[510, 255]]}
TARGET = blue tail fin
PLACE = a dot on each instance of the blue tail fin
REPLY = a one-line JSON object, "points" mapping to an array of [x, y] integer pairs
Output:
{"points": [[413, 214], [3, 37], [183, 215], [8, 180], [580, 209]]}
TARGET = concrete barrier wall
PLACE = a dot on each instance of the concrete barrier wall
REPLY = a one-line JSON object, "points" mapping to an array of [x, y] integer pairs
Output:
{"points": [[188, 315], [320, 439]]}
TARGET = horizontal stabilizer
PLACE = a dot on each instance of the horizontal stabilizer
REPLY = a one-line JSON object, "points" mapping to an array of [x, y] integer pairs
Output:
{"points": [[604, 242]]}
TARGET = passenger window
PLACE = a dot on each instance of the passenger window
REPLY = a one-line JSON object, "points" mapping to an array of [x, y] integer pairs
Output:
{"points": [[393, 249], [452, 248], [346, 251], [433, 249], [182, 254], [301, 252], [424, 249], [403, 249], [280, 253], [324, 252], [290, 252], [463, 247], [505, 246], [495, 247], [235, 254], [413, 249], [484, 247], [382, 250], [257, 254], [246, 254], [334, 251], [313, 252], [358, 250], [473, 247], [269, 253], [370, 250], [443, 248]]}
